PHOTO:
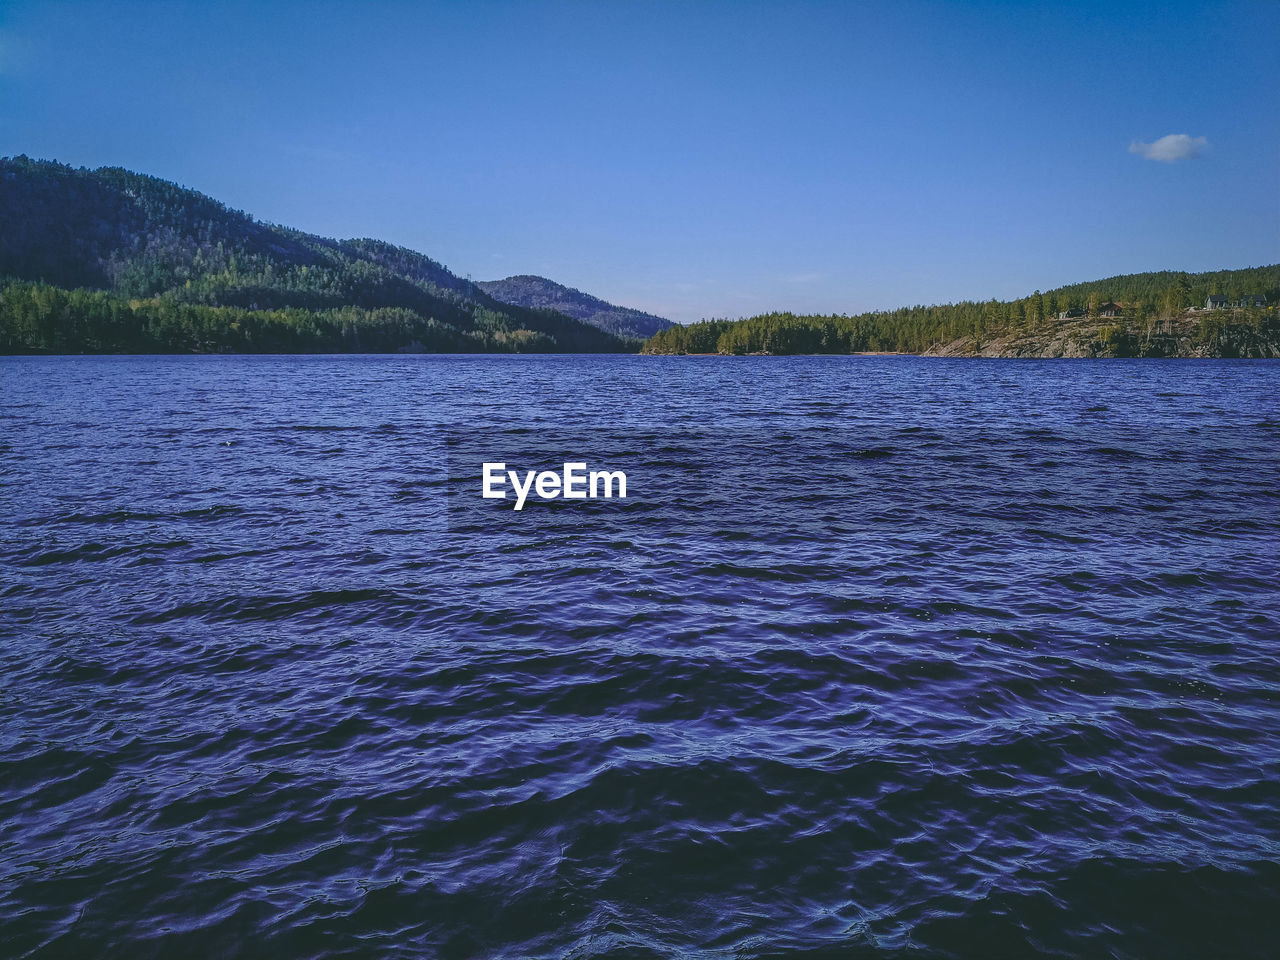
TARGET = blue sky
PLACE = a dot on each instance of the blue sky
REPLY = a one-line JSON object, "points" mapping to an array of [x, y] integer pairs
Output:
{"points": [[693, 159]]}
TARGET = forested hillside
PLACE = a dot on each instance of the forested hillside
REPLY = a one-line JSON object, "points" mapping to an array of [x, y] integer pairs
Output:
{"points": [[108, 260], [1144, 314], [530, 291], [111, 261]]}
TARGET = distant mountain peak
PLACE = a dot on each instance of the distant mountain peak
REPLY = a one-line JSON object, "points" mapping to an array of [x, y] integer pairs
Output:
{"points": [[527, 290]]}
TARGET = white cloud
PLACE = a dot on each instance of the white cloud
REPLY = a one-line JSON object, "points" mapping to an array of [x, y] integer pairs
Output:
{"points": [[1170, 149]]}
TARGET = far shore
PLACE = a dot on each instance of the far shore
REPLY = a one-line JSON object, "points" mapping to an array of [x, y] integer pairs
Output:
{"points": [[858, 353]]}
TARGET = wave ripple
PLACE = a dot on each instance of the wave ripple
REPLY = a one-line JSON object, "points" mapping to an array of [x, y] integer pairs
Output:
{"points": [[877, 660]]}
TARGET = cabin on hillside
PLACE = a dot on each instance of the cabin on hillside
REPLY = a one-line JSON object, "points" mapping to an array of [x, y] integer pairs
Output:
{"points": [[1218, 301], [1110, 309]]}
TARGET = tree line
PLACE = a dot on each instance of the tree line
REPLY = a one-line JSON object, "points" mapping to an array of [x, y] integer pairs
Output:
{"points": [[1133, 302], [41, 318], [175, 266]]}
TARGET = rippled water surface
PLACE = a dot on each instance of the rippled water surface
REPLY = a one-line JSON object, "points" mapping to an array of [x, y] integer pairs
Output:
{"points": [[880, 657]]}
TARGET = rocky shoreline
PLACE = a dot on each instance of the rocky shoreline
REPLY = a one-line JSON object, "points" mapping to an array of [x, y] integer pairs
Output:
{"points": [[1195, 334]]}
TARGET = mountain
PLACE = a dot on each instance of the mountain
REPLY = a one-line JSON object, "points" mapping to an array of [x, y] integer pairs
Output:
{"points": [[109, 260], [527, 291], [1159, 314]]}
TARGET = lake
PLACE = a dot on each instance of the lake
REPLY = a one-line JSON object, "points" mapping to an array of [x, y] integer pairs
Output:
{"points": [[880, 656]]}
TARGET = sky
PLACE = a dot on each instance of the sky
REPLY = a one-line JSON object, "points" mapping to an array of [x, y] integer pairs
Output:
{"points": [[694, 159]]}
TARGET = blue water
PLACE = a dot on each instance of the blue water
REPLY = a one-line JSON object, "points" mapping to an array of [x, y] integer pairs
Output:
{"points": [[880, 657]]}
